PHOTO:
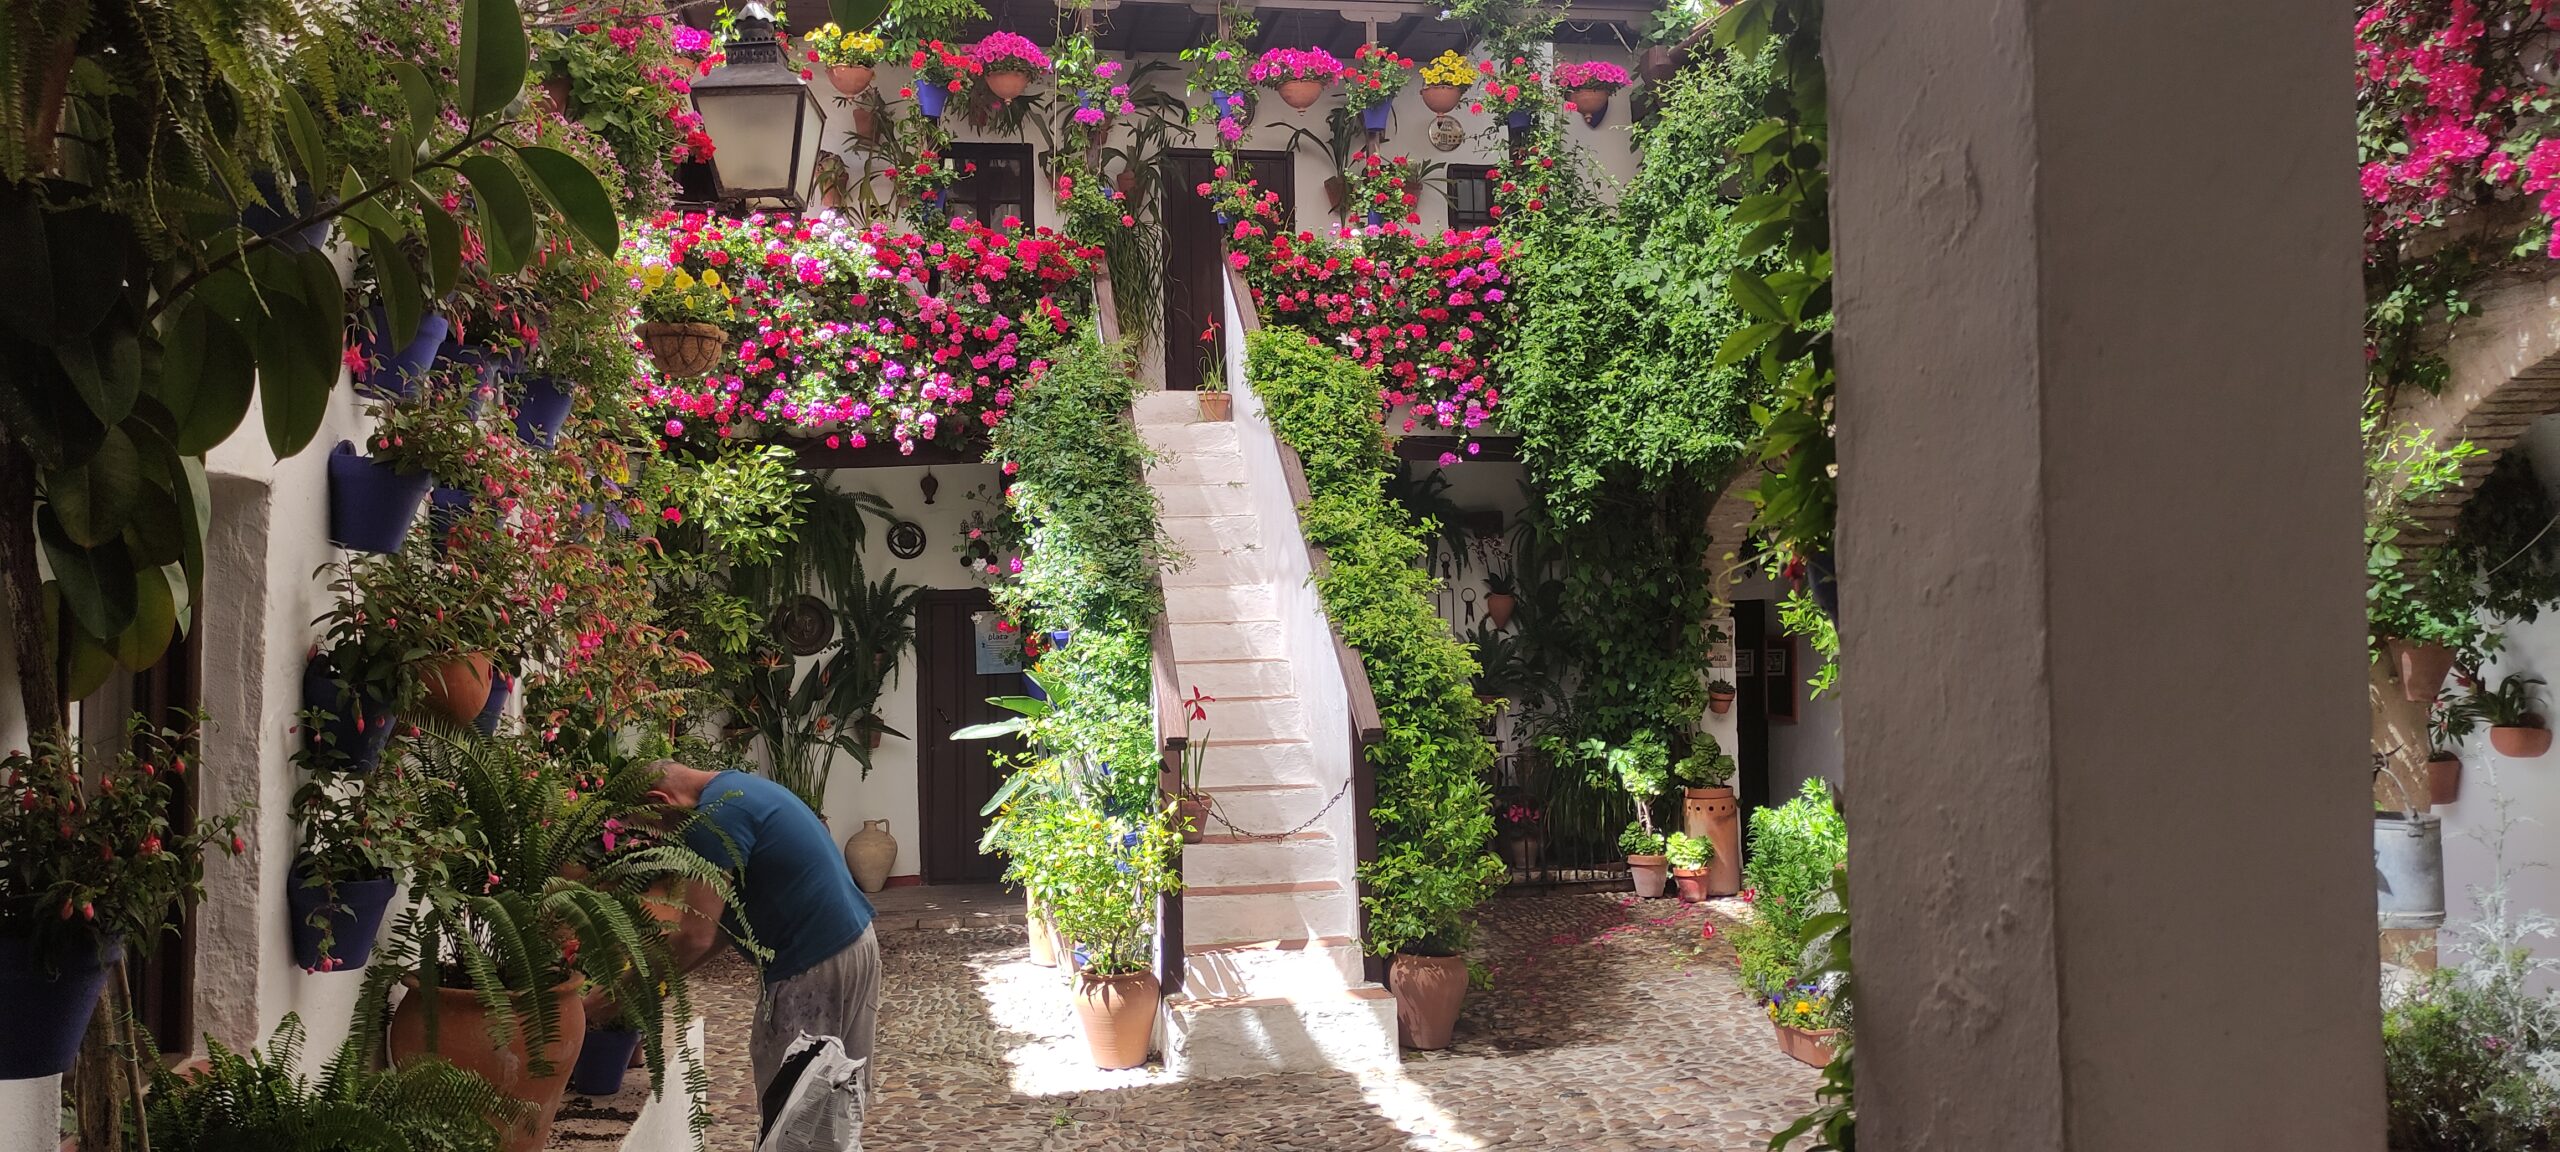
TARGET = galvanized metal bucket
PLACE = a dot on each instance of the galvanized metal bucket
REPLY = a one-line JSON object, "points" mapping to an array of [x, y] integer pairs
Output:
{"points": [[2408, 869]]}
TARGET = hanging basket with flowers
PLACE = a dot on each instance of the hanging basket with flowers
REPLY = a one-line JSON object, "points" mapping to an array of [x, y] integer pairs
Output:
{"points": [[1370, 85], [1011, 62], [681, 319], [848, 57], [1445, 81], [1589, 83], [1300, 75]]}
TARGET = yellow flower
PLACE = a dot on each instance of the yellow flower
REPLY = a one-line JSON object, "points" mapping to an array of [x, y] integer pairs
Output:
{"points": [[1451, 69], [653, 276], [1802, 1008], [711, 276]]}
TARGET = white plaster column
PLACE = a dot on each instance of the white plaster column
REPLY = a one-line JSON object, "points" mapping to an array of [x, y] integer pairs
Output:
{"points": [[2099, 355]]}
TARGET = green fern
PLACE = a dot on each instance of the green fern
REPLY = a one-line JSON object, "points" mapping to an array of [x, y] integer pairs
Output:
{"points": [[257, 1102]]}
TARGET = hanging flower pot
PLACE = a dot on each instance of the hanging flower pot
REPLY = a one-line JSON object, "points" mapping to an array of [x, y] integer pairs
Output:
{"points": [[1651, 874], [351, 918], [47, 994], [1499, 606], [2444, 779], [356, 730], [1375, 119], [604, 1057], [1429, 992], [850, 79], [542, 410], [1658, 63], [684, 350], [1193, 809], [1517, 120], [1119, 1016], [1593, 103], [262, 220], [1335, 190], [457, 687], [1007, 85], [462, 1039], [395, 370], [1720, 700], [2521, 742], [1301, 94], [502, 687], [2422, 668], [371, 504], [930, 99], [1442, 98]]}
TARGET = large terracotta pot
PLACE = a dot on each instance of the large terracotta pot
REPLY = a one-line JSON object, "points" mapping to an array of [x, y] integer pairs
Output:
{"points": [[1710, 814], [684, 350], [1521, 852], [1652, 874], [1119, 1016], [1429, 991], [850, 79], [1657, 63], [1811, 1046], [1007, 85], [462, 1038], [2444, 779], [2422, 668], [2523, 743], [870, 853], [1442, 98], [458, 687], [1692, 884], [1498, 607], [1301, 94]]}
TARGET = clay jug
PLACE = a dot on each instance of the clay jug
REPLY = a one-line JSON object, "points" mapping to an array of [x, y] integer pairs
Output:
{"points": [[870, 853]]}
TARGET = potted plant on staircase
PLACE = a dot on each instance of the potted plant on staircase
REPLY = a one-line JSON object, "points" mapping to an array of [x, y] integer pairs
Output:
{"points": [[2516, 725], [1191, 802]]}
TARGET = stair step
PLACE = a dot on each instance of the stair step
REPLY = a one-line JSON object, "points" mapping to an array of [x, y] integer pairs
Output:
{"points": [[1225, 861], [1226, 498], [1352, 1029], [1209, 603], [1218, 438], [1271, 968], [1232, 679], [1199, 536], [1216, 569], [1261, 775], [1196, 468], [1231, 640], [1167, 407], [1251, 720], [1241, 913]]}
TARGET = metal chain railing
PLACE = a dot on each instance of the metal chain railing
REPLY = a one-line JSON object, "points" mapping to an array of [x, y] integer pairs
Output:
{"points": [[1303, 825]]}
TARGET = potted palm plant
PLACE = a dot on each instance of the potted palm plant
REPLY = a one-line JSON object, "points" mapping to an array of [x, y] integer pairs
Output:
{"points": [[533, 898], [2516, 726], [1688, 856]]}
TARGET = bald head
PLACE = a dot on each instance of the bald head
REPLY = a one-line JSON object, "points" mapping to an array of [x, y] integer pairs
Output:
{"points": [[679, 785]]}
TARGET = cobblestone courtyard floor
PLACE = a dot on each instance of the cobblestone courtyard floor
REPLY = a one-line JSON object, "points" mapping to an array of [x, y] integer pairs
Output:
{"points": [[1612, 1025]]}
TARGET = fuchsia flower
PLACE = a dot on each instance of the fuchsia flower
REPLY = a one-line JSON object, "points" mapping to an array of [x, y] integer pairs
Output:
{"points": [[1599, 74], [1281, 65]]}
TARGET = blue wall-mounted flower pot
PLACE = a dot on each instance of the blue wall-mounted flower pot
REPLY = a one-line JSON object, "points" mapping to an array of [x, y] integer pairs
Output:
{"points": [[46, 997], [371, 505], [397, 372], [1375, 119], [263, 220], [356, 733], [354, 919], [541, 411], [602, 1060], [930, 99], [501, 688]]}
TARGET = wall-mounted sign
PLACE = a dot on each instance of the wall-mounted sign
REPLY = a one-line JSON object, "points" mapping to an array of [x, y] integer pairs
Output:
{"points": [[999, 651]]}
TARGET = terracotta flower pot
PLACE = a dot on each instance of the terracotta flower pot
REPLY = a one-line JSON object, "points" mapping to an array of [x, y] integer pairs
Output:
{"points": [[1691, 883], [1591, 101], [462, 1038], [2422, 668], [1126, 180], [1442, 98], [1335, 188], [850, 79], [1710, 814], [458, 687], [1499, 606], [865, 124], [1658, 63], [1429, 991], [684, 350], [556, 93], [1652, 874], [2444, 779], [1719, 702], [1193, 808], [1007, 85], [1811, 1046], [1301, 94], [1119, 1016], [2520, 742], [1217, 407]]}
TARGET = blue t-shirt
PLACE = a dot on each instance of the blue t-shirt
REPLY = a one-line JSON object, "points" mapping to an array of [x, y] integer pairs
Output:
{"points": [[800, 898]]}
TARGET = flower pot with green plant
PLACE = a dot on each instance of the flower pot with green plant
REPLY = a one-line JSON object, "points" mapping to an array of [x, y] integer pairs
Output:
{"points": [[1300, 75], [90, 864], [1796, 847], [1445, 81], [848, 57], [683, 319], [2452, 720], [1370, 84], [263, 1099], [543, 891], [358, 833], [1688, 856], [1708, 810], [1647, 864], [1641, 767], [1518, 828], [1589, 83], [1103, 876], [2516, 725], [1720, 696], [1191, 802], [1501, 596]]}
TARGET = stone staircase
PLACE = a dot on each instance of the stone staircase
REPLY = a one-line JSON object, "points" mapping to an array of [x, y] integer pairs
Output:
{"points": [[1273, 979]]}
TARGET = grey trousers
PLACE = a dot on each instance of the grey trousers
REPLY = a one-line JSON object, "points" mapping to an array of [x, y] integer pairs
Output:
{"points": [[840, 997]]}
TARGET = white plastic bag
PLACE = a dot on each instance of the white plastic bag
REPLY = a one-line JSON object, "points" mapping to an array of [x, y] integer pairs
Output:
{"points": [[822, 1099]]}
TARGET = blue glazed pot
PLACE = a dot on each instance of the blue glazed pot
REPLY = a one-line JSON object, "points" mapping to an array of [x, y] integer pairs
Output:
{"points": [[371, 506], [262, 220], [1377, 218], [539, 414], [1824, 581], [357, 733], [501, 688], [930, 99], [1031, 688], [1517, 120], [602, 1060], [1375, 119], [1058, 638], [46, 998], [354, 919], [397, 372], [1229, 104]]}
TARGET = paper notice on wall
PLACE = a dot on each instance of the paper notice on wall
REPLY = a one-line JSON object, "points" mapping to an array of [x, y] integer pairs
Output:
{"points": [[999, 651]]}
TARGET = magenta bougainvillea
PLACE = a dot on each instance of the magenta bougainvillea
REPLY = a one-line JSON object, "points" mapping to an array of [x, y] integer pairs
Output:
{"points": [[1282, 65], [1421, 309], [859, 334]]}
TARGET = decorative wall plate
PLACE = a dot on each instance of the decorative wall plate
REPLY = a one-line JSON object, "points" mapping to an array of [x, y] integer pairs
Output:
{"points": [[807, 625], [1447, 133], [906, 540]]}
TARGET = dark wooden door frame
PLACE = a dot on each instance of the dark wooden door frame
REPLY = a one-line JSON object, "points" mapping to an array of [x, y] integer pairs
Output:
{"points": [[1750, 706], [1182, 320], [946, 806]]}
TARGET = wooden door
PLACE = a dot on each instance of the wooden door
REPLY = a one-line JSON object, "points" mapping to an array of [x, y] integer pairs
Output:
{"points": [[955, 778], [1194, 270]]}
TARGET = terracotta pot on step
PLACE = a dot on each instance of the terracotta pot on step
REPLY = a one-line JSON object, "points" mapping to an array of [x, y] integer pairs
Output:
{"points": [[2444, 779], [1441, 98], [1119, 1016], [1217, 407], [1499, 606], [1193, 807], [1007, 85], [1429, 991], [1811, 1046], [1691, 884], [462, 1038], [850, 79], [2521, 741], [1710, 814], [684, 350], [1301, 94], [2422, 668], [458, 687], [1651, 873]]}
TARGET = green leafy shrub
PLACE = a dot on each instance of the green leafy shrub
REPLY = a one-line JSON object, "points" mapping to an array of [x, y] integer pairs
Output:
{"points": [[1639, 840], [1686, 851], [254, 1099], [1434, 811], [2456, 1054], [1795, 848]]}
